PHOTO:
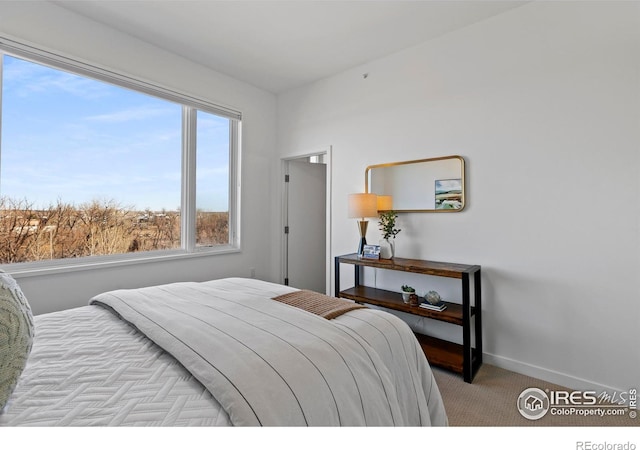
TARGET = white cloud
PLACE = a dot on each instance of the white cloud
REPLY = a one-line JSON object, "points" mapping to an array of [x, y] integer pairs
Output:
{"points": [[127, 115], [204, 173], [26, 78]]}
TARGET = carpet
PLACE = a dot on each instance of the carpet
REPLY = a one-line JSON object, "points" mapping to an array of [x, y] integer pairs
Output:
{"points": [[491, 400]]}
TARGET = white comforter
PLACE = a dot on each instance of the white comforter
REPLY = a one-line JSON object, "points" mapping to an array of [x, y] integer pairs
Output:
{"points": [[264, 363]]}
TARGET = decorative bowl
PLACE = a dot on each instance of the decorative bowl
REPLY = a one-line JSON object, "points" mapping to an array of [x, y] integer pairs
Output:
{"points": [[432, 297]]}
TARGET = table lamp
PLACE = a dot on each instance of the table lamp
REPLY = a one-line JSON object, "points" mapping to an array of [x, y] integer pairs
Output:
{"points": [[362, 206]]}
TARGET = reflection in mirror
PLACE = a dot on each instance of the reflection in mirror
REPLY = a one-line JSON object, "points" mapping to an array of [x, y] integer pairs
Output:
{"points": [[435, 184]]}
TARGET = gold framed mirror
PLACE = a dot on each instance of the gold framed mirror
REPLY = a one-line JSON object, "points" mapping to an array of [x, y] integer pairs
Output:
{"points": [[422, 185]]}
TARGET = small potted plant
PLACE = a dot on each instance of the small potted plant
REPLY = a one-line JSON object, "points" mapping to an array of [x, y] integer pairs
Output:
{"points": [[387, 225], [407, 292]]}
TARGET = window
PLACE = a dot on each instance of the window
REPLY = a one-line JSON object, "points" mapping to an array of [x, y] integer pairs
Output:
{"points": [[212, 180], [105, 165]]}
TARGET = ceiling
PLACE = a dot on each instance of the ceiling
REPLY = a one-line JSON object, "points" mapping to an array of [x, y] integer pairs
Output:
{"points": [[280, 45]]}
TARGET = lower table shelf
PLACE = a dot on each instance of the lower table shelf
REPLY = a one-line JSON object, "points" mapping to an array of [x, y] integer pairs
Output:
{"points": [[445, 354]]}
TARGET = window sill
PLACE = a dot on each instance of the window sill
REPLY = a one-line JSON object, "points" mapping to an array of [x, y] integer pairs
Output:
{"points": [[31, 269]]}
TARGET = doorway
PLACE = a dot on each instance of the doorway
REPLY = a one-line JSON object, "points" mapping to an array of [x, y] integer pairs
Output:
{"points": [[306, 222]]}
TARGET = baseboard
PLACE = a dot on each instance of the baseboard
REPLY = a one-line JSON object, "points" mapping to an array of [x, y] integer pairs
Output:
{"points": [[551, 376]]}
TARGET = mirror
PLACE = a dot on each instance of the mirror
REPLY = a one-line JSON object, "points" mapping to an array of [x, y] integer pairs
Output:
{"points": [[424, 185]]}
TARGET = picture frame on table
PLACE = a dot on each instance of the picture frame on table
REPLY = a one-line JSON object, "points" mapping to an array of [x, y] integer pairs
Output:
{"points": [[371, 252]]}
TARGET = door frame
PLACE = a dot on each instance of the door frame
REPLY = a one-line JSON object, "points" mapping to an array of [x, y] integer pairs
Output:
{"points": [[284, 165]]}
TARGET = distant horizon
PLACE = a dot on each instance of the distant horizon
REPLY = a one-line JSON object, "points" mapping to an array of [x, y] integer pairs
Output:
{"points": [[75, 139], [119, 206]]}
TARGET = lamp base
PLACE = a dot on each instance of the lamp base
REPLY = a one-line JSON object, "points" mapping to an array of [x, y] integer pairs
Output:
{"points": [[362, 227], [361, 245]]}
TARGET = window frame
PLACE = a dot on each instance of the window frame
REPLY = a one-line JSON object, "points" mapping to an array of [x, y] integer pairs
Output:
{"points": [[190, 106]]}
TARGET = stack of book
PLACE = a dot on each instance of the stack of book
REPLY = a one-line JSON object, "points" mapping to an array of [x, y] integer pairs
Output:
{"points": [[440, 306]]}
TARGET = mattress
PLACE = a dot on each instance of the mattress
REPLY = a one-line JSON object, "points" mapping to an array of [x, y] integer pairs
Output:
{"points": [[88, 367]]}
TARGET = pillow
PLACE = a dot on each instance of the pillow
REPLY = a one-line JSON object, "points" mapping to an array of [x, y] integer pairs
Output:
{"points": [[16, 335]]}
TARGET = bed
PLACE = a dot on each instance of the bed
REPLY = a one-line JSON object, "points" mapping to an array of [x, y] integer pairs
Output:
{"points": [[227, 352]]}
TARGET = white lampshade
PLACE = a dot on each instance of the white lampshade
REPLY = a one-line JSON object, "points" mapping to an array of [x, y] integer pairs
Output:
{"points": [[363, 205], [385, 203]]}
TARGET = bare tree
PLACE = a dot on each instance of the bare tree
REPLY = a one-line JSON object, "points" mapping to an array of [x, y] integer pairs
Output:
{"points": [[17, 229], [212, 228]]}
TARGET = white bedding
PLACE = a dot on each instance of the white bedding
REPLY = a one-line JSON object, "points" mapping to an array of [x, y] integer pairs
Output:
{"points": [[88, 367]]}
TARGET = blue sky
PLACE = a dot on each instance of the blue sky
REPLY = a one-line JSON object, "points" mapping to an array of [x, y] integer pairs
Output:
{"points": [[76, 139]]}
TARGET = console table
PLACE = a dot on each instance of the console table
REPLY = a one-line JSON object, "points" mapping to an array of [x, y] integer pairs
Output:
{"points": [[464, 359]]}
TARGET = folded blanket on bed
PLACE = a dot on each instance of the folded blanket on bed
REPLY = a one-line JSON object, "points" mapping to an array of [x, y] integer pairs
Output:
{"points": [[319, 304], [265, 362]]}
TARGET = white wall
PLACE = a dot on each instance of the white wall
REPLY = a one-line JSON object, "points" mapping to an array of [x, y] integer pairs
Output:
{"points": [[544, 104], [54, 28]]}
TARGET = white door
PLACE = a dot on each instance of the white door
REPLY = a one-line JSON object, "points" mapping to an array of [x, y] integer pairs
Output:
{"points": [[305, 264]]}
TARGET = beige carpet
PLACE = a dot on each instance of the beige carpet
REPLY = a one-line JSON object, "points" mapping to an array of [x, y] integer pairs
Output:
{"points": [[491, 400]]}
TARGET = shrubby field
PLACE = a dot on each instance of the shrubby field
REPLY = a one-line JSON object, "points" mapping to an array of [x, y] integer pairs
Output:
{"points": [[96, 228]]}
